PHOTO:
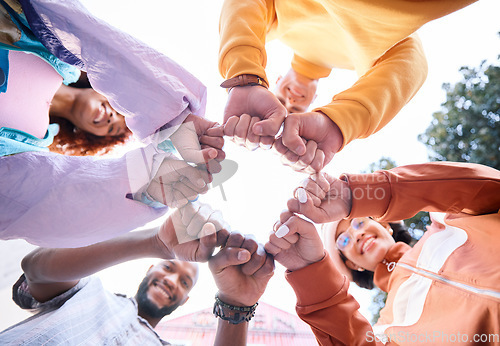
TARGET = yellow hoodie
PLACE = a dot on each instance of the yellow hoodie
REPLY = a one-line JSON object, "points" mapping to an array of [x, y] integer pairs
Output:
{"points": [[374, 38]]}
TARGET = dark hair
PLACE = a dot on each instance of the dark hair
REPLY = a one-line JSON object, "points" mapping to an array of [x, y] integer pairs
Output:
{"points": [[364, 278], [74, 142]]}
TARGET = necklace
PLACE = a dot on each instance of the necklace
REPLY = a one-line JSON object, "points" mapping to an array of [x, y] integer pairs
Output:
{"points": [[390, 265]]}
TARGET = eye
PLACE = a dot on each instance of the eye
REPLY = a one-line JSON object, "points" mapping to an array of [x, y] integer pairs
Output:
{"points": [[166, 267], [343, 241], [110, 129], [185, 284], [358, 224]]}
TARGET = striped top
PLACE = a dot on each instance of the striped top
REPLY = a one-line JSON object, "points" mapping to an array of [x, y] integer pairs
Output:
{"points": [[87, 314]]}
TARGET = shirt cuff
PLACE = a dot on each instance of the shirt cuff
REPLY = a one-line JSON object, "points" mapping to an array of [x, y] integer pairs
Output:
{"points": [[22, 297]]}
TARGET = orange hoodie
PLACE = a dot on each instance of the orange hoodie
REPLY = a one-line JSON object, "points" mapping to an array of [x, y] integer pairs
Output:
{"points": [[374, 38], [444, 290]]}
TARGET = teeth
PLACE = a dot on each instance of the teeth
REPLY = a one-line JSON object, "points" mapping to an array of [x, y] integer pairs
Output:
{"points": [[367, 243], [100, 116], [296, 92], [163, 291]]}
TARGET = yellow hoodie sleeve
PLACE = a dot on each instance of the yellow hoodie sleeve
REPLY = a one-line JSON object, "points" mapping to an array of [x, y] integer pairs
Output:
{"points": [[381, 92], [243, 27]]}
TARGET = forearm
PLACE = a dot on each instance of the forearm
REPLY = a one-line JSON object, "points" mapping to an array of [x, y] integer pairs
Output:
{"points": [[229, 334], [448, 187], [377, 97], [243, 28], [46, 265], [324, 303]]}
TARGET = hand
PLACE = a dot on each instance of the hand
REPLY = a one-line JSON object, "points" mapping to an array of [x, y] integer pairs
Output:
{"points": [[255, 101], [177, 182], [295, 242], [240, 129], [192, 232], [308, 141], [241, 270], [200, 141], [322, 198]]}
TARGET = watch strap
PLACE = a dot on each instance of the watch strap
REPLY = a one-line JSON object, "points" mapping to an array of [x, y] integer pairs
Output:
{"points": [[244, 80]]}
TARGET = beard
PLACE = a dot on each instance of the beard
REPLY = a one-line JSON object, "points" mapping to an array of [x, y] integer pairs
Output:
{"points": [[147, 307]]}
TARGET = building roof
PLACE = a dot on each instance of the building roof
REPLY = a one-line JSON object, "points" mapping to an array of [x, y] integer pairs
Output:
{"points": [[270, 326]]}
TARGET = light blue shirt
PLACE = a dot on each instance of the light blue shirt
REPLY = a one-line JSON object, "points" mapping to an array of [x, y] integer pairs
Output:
{"points": [[29, 43], [87, 314], [14, 141]]}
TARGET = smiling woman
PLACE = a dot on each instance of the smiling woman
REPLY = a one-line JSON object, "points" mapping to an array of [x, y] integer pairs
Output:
{"points": [[451, 271], [91, 194], [88, 125], [361, 244]]}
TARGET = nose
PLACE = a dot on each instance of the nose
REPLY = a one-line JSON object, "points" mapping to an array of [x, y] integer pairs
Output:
{"points": [[291, 100], [171, 281], [171, 278], [356, 234], [112, 118]]}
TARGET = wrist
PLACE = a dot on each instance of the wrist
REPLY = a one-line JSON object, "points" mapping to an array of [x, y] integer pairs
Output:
{"points": [[244, 80], [334, 132], [236, 301], [346, 195], [306, 263], [232, 313], [159, 246]]}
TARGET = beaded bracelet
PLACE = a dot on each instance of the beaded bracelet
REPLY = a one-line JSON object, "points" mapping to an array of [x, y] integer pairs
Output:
{"points": [[233, 314]]}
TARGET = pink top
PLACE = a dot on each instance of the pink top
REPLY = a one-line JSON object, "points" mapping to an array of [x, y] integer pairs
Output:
{"points": [[29, 76]]}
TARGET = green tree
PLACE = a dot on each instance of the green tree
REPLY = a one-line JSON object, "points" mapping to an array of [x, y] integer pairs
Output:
{"points": [[382, 164], [379, 298], [467, 129]]}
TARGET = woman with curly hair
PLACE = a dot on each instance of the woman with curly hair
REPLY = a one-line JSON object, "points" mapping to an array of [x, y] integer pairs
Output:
{"points": [[57, 200], [88, 125]]}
